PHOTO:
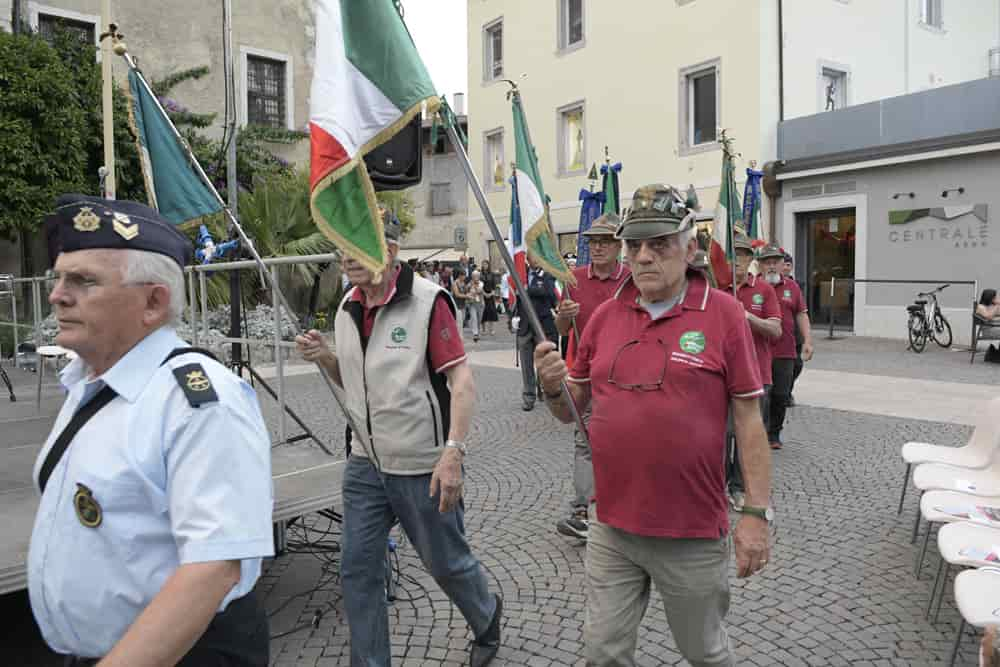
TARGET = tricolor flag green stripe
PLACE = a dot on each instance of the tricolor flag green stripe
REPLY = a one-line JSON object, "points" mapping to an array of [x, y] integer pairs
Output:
{"points": [[369, 82], [539, 239]]}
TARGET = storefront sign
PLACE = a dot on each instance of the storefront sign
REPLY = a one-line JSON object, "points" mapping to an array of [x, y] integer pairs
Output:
{"points": [[957, 226]]}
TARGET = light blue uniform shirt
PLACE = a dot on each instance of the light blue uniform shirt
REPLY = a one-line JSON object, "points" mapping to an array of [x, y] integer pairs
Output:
{"points": [[176, 485]]}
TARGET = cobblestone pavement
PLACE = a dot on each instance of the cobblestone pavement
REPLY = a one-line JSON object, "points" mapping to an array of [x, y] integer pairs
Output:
{"points": [[840, 589]]}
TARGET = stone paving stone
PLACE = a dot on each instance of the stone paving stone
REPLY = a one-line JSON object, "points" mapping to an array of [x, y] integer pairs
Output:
{"points": [[839, 589]]}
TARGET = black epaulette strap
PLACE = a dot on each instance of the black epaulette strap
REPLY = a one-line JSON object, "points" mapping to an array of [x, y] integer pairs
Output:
{"points": [[193, 380], [92, 407]]}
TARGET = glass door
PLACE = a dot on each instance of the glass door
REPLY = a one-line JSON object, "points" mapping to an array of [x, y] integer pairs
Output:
{"points": [[827, 241]]}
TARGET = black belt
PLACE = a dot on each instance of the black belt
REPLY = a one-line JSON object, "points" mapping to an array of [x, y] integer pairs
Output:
{"points": [[237, 637]]}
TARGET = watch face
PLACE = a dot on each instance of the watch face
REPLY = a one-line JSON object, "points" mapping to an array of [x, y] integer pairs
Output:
{"points": [[769, 514]]}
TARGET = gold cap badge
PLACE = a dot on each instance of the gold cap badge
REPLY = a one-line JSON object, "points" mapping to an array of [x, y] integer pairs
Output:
{"points": [[86, 220], [124, 227]]}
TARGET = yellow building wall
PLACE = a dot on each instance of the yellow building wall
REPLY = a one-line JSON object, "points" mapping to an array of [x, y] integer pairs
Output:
{"points": [[628, 75]]}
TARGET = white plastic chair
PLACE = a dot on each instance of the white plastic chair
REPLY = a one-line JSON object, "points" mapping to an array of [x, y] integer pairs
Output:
{"points": [[976, 482], [976, 595], [977, 453], [932, 510], [954, 539], [55, 352]]}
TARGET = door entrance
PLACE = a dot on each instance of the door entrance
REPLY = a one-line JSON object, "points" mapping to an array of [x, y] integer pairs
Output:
{"points": [[826, 250]]}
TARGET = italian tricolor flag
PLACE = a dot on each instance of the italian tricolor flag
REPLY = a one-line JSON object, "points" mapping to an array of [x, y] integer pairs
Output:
{"points": [[369, 82]]}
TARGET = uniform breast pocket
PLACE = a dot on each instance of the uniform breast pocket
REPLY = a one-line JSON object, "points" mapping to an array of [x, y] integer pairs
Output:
{"points": [[109, 514]]}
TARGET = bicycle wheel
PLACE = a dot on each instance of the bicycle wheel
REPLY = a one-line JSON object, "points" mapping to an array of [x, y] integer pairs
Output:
{"points": [[916, 332], [941, 333]]}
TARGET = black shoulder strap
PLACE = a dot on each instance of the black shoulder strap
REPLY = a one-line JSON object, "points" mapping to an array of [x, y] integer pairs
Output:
{"points": [[82, 416], [176, 352]]}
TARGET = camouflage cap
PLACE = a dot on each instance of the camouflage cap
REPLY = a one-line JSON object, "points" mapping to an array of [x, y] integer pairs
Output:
{"points": [[657, 210], [770, 251], [606, 225], [742, 242]]}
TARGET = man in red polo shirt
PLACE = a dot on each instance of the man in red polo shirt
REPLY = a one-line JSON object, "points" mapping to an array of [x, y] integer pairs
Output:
{"points": [[659, 364], [764, 317], [771, 260], [595, 284]]}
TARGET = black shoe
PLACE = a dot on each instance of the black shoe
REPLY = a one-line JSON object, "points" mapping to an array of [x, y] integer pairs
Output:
{"points": [[791, 401], [528, 406], [485, 648], [574, 526]]}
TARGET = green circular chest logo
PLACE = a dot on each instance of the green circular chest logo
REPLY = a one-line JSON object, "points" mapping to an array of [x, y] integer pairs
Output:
{"points": [[693, 342], [788, 294], [758, 299], [398, 335]]}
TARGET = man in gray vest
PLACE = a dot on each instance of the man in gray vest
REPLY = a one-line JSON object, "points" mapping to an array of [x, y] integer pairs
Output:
{"points": [[409, 388]]}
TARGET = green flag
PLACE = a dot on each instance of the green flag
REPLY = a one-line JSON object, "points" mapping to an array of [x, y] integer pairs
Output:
{"points": [[543, 249], [172, 185], [728, 214]]}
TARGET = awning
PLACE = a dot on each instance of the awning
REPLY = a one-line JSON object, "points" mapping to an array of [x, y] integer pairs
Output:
{"points": [[429, 254]]}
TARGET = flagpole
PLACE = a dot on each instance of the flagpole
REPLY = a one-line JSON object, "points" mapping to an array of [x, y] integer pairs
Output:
{"points": [[522, 293], [107, 100], [121, 50]]}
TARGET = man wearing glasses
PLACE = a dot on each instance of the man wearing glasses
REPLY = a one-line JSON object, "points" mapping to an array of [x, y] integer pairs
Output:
{"points": [[595, 284], [659, 365], [155, 483]]}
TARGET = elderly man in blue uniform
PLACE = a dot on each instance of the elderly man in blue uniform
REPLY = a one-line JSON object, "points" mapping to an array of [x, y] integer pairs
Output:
{"points": [[155, 482], [400, 359]]}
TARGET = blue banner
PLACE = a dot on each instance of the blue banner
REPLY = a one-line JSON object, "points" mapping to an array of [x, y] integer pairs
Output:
{"points": [[751, 203], [590, 210]]}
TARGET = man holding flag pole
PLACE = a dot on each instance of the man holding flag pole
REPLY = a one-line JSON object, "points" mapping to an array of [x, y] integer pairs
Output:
{"points": [[597, 282]]}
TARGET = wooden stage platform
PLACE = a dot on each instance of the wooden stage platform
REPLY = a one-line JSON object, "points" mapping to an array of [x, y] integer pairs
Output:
{"points": [[305, 478]]}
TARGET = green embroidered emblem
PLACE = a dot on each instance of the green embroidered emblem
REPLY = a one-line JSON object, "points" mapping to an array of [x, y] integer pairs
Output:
{"points": [[693, 342], [398, 335], [758, 299]]}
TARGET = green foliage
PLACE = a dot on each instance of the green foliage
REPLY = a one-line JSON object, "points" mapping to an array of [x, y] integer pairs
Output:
{"points": [[42, 132]]}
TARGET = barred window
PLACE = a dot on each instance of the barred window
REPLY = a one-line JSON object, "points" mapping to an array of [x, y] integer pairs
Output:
{"points": [[49, 24], [265, 92]]}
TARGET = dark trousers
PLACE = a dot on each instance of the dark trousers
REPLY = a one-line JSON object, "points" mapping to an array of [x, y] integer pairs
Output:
{"points": [[526, 345], [237, 637], [734, 474], [798, 365], [783, 374]]}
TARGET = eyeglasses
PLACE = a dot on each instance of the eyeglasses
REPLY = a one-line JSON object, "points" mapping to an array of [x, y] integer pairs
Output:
{"points": [[80, 283], [637, 356]]}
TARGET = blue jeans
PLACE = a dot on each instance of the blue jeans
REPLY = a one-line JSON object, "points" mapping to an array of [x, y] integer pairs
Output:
{"points": [[373, 501]]}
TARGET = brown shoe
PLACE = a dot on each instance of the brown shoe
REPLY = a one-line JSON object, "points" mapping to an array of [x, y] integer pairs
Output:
{"points": [[775, 444]]}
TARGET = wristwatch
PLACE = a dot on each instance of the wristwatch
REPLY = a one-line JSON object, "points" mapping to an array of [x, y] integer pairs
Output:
{"points": [[460, 446], [766, 513]]}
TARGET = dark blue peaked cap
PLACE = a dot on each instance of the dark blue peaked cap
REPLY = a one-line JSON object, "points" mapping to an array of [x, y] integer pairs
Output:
{"points": [[82, 222]]}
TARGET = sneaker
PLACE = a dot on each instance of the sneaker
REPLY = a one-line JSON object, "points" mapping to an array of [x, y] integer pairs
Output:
{"points": [[527, 405], [791, 402], [736, 500], [775, 444], [485, 647], [574, 526]]}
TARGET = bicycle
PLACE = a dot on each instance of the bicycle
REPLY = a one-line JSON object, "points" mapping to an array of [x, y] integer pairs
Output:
{"points": [[927, 321]]}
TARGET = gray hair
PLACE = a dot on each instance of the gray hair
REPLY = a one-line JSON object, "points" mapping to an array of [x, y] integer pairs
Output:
{"points": [[142, 266]]}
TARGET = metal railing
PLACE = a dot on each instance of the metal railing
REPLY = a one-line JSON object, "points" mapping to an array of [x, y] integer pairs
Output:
{"points": [[9, 288], [198, 313], [834, 281]]}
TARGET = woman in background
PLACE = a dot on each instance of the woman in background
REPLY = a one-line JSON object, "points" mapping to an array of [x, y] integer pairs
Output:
{"points": [[490, 299]]}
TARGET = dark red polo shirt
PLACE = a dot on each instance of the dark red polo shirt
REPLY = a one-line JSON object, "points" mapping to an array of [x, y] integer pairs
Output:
{"points": [[792, 303], [759, 299], [444, 345], [591, 291], [658, 453]]}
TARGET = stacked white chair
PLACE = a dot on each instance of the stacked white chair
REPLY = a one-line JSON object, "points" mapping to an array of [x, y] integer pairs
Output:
{"points": [[937, 506], [976, 595]]}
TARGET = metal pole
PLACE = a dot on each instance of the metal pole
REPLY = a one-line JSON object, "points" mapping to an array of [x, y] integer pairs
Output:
{"points": [[192, 312], [833, 283], [279, 356], [107, 104], [36, 305], [13, 303], [522, 293], [247, 243], [203, 288]]}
